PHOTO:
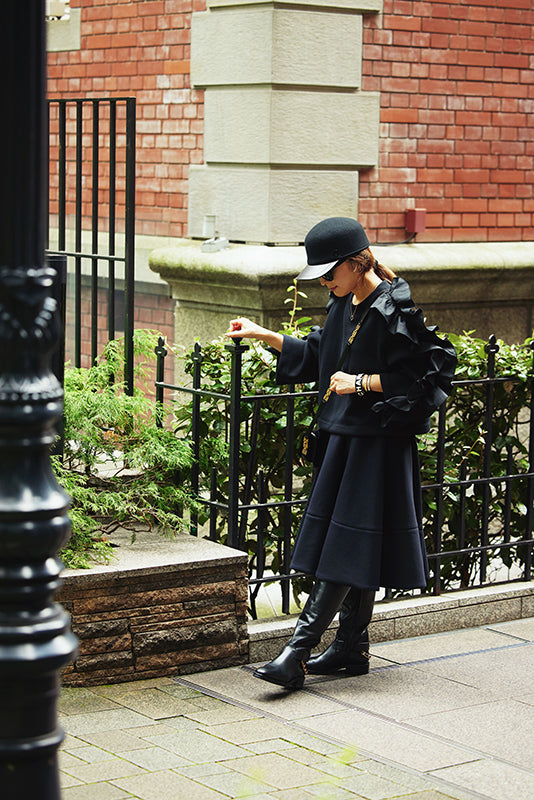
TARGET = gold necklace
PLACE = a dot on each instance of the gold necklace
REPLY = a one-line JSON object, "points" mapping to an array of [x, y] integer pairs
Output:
{"points": [[354, 309]]}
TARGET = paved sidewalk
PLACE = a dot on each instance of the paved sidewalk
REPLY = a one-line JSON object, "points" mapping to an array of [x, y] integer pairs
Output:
{"points": [[442, 716]]}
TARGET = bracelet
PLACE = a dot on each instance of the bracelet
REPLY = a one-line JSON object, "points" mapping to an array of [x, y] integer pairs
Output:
{"points": [[368, 383], [358, 384]]}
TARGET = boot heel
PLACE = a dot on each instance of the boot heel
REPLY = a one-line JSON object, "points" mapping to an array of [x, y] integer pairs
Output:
{"points": [[357, 669], [362, 668]]}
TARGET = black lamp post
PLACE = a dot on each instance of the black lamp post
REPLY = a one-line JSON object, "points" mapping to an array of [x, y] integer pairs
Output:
{"points": [[35, 637]]}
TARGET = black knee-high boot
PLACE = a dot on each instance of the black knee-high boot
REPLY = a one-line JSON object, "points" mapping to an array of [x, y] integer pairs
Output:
{"points": [[350, 648], [288, 668]]}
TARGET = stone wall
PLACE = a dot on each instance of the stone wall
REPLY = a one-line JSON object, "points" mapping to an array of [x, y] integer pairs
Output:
{"points": [[442, 88], [162, 608]]}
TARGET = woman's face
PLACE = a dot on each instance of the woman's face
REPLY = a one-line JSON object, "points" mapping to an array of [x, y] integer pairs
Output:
{"points": [[345, 279]]}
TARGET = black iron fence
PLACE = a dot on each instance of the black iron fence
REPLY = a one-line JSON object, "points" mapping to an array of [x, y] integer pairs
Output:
{"points": [[91, 216], [477, 468]]}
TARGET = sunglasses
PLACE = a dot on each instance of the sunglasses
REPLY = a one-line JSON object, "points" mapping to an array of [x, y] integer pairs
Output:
{"points": [[329, 276]]}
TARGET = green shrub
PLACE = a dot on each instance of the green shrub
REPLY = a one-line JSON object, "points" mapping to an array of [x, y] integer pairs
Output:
{"points": [[465, 457], [118, 467]]}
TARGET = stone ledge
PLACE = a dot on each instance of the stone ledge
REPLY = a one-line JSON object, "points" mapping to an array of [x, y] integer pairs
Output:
{"points": [[487, 287], [152, 554], [255, 261], [403, 619]]}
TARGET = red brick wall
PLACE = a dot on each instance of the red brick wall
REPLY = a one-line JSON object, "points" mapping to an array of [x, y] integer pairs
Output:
{"points": [[152, 311], [141, 48], [457, 98], [457, 119]]}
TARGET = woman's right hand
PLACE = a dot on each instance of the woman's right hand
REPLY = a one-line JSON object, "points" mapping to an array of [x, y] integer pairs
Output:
{"points": [[243, 328]]}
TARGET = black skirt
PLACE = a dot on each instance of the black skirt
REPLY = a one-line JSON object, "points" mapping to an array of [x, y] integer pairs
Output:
{"points": [[362, 524]]}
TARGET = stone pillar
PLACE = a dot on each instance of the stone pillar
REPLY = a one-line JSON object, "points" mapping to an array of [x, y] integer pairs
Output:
{"points": [[286, 125]]}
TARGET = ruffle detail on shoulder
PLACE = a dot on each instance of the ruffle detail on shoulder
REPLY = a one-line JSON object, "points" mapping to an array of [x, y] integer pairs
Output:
{"points": [[435, 358]]}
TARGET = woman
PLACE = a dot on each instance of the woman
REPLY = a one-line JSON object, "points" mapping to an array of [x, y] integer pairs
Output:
{"points": [[362, 525]]}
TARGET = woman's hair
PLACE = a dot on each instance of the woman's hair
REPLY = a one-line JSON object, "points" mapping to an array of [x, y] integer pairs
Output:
{"points": [[366, 261]]}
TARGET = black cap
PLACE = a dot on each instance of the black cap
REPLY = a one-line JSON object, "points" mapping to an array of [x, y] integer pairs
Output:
{"points": [[330, 242]]}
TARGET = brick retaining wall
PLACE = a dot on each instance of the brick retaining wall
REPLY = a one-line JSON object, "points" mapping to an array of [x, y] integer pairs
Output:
{"points": [[163, 608]]}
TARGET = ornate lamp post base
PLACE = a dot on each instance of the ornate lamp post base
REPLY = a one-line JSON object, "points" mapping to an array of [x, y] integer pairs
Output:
{"points": [[35, 637]]}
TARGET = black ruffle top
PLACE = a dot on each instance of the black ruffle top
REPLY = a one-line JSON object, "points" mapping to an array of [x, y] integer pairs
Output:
{"points": [[416, 366]]}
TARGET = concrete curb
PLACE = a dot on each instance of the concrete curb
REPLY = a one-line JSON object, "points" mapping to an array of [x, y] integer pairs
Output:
{"points": [[417, 616]]}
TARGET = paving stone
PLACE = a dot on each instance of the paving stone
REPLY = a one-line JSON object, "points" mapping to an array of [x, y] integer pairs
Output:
{"points": [[111, 741], [154, 703], [325, 791], [374, 787], [114, 690], [184, 692], [113, 767], [197, 746], [303, 755], [410, 779], [154, 759], [163, 785], [238, 683], [144, 731], [491, 778], [433, 794], [421, 648], [66, 759], [254, 730], [264, 796], [95, 791], [528, 699], [275, 769], [234, 784], [71, 742], [405, 692], [311, 742], [181, 724], [412, 730], [223, 713], [507, 671], [66, 781], [96, 722], [334, 768], [512, 724], [207, 703], [82, 701], [520, 628], [200, 770], [378, 736], [91, 755]]}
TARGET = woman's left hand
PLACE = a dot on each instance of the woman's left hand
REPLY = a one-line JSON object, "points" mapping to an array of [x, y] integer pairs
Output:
{"points": [[342, 383]]}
